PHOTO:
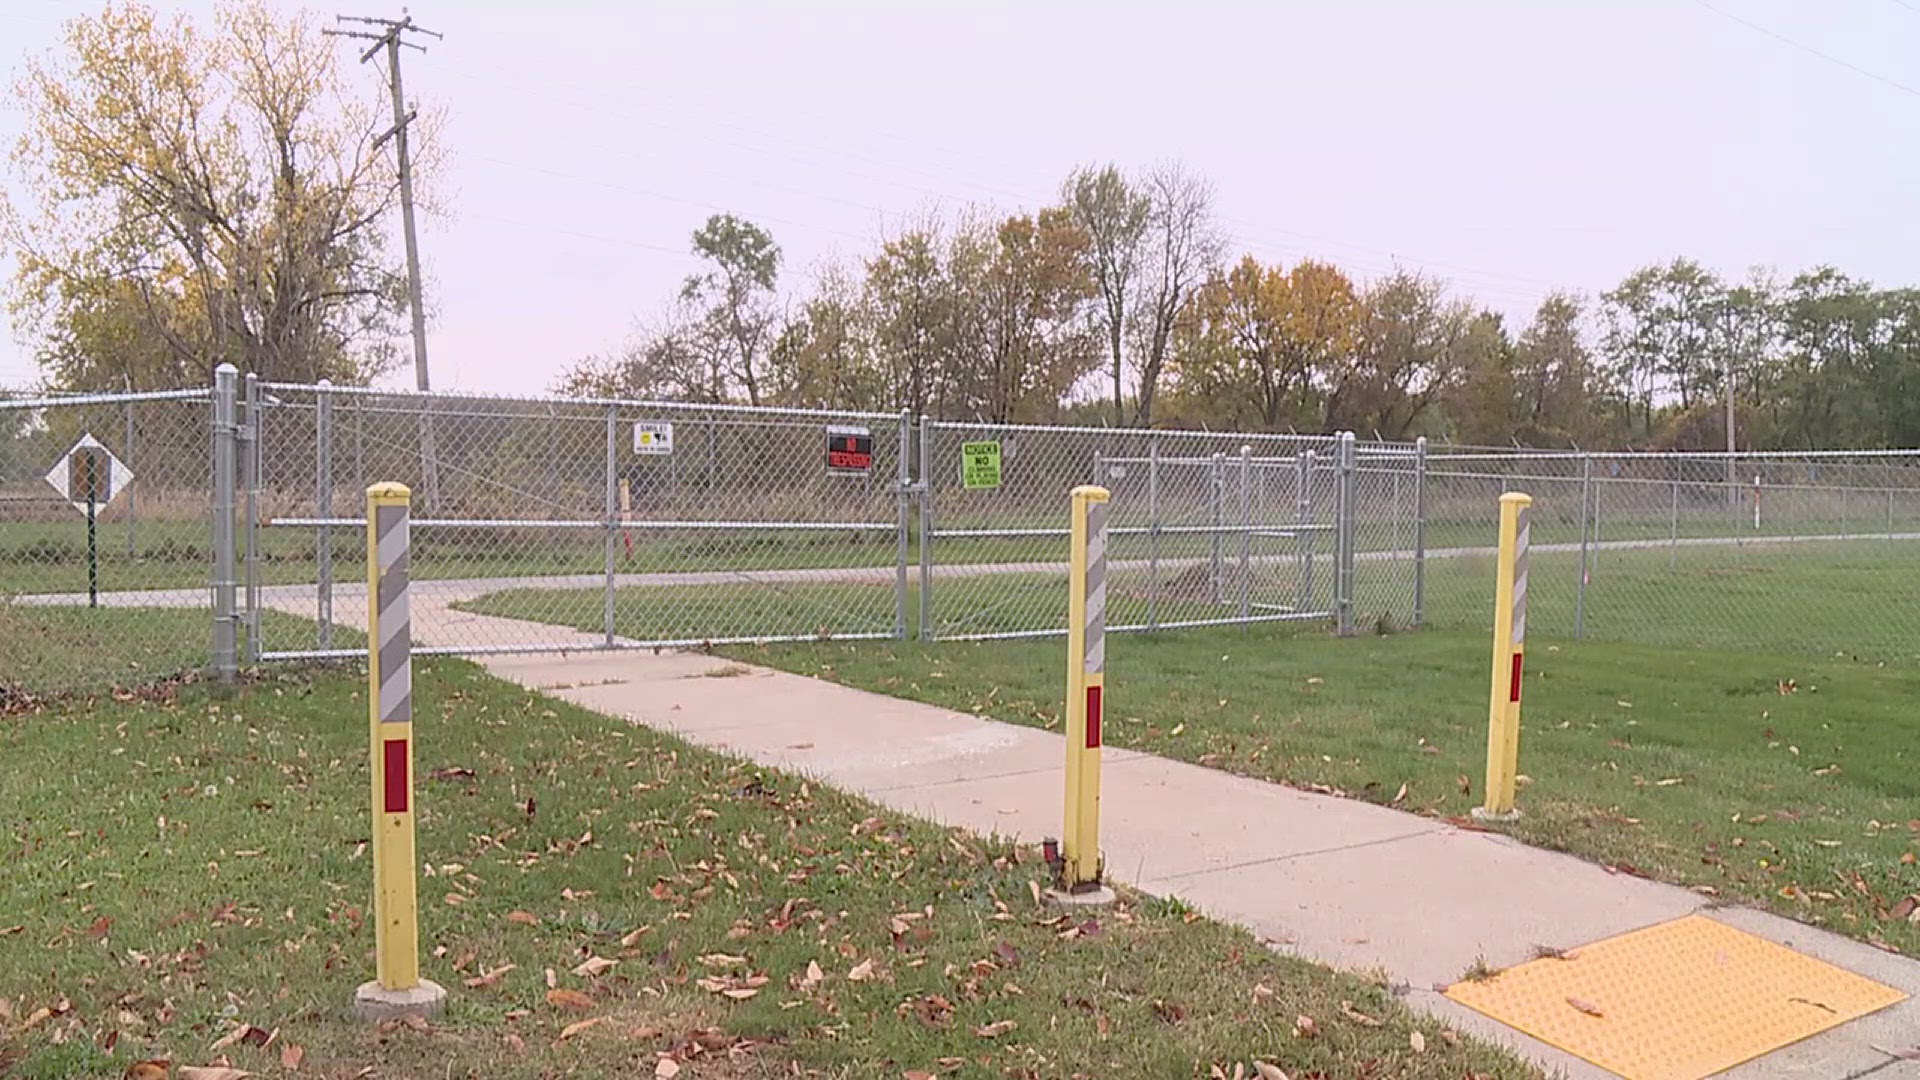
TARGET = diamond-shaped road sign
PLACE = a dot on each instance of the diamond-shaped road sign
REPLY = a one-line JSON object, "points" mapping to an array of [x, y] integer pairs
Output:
{"points": [[86, 465]]}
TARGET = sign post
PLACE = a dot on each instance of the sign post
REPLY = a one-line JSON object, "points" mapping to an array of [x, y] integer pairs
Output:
{"points": [[398, 989], [89, 477], [1509, 646], [1086, 678]]}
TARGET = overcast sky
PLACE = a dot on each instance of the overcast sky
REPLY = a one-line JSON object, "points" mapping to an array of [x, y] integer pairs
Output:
{"points": [[1510, 147]]}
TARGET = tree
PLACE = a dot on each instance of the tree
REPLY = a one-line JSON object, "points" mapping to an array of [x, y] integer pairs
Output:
{"points": [[1183, 247], [673, 360], [824, 357], [1255, 342], [736, 293], [1021, 344], [911, 306], [1660, 332], [1559, 399], [1407, 353], [1483, 404], [191, 197], [1115, 217]]}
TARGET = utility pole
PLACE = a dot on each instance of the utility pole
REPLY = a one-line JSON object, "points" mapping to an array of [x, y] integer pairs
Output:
{"points": [[390, 40]]}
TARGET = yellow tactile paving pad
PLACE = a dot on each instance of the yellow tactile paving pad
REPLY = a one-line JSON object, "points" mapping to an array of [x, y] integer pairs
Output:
{"points": [[1677, 1001]]}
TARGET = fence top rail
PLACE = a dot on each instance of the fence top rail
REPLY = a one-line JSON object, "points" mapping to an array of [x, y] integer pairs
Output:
{"points": [[1131, 432], [1744, 484], [1523, 454], [588, 402], [57, 400]]}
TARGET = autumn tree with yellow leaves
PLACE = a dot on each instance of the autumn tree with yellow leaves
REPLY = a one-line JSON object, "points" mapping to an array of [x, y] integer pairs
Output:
{"points": [[186, 195]]}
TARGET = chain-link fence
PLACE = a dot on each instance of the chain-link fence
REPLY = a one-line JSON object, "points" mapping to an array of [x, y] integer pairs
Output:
{"points": [[227, 523], [104, 543], [1797, 552]]}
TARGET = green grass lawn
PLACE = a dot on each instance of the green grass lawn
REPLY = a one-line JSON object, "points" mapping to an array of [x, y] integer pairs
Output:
{"points": [[1784, 780], [187, 876], [80, 650]]}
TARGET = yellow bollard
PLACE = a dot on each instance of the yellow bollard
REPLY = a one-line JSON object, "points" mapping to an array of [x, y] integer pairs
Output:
{"points": [[398, 988], [1086, 676], [1509, 645]]}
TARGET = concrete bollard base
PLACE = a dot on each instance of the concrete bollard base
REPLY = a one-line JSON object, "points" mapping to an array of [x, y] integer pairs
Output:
{"points": [[1099, 897], [374, 1003]]}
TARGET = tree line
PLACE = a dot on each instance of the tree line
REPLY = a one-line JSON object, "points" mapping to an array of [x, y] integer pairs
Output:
{"points": [[1118, 306], [186, 194]]}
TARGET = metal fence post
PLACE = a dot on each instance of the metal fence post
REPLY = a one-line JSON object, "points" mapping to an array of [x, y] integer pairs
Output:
{"points": [[1216, 517], [1246, 532], [133, 493], [1420, 531], [1673, 528], [1303, 540], [225, 618], [323, 507], [1580, 595], [250, 437], [926, 529], [613, 516], [1153, 533], [904, 478], [1343, 569]]}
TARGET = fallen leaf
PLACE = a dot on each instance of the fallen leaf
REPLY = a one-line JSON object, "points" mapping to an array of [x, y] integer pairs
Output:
{"points": [[1304, 1027], [524, 918], [291, 1055], [1450, 1036], [861, 972], [593, 966], [665, 1069], [212, 1072], [100, 927], [1465, 785], [916, 1074], [1401, 795], [1347, 1010], [628, 939], [569, 999], [1268, 1072], [579, 1026], [1587, 1007], [152, 1069], [814, 976], [995, 1029], [740, 993], [1418, 1042], [488, 978], [18, 928]]}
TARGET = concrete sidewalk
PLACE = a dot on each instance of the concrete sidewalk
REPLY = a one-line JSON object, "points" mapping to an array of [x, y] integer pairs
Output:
{"points": [[1335, 880]]}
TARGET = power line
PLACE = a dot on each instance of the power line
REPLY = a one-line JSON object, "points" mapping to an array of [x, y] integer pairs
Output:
{"points": [[1811, 51]]}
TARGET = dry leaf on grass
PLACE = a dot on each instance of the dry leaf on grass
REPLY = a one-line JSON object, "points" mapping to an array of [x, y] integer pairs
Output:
{"points": [[861, 972], [592, 966], [212, 1072], [1418, 1042], [569, 999], [579, 1026], [524, 918], [1450, 1036], [488, 978], [152, 1069], [995, 1029], [1304, 1027], [1268, 1072], [666, 1069], [813, 977], [291, 1055], [1347, 1010]]}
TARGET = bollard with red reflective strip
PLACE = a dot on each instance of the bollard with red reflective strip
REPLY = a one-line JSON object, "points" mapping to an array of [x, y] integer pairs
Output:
{"points": [[398, 989], [1086, 676], [1509, 650]]}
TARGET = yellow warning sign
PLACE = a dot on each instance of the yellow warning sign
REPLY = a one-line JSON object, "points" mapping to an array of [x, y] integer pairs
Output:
{"points": [[1678, 1001]]}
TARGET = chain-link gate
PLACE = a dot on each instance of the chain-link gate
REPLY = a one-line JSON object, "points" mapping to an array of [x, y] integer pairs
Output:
{"points": [[557, 524], [1206, 528]]}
